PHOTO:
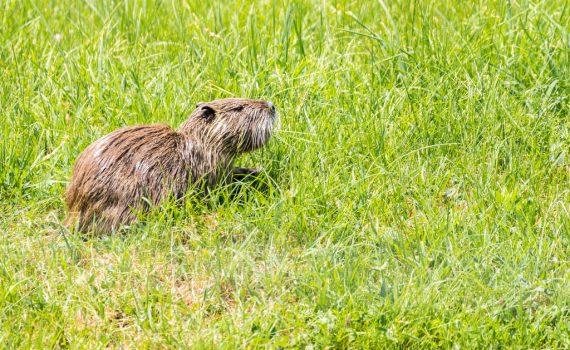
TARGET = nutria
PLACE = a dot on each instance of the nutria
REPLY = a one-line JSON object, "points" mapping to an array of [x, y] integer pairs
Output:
{"points": [[134, 168]]}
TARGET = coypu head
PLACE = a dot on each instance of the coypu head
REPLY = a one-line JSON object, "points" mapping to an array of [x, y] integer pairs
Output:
{"points": [[232, 125]]}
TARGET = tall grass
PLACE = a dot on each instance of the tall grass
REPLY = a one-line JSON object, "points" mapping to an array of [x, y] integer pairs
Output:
{"points": [[417, 192]]}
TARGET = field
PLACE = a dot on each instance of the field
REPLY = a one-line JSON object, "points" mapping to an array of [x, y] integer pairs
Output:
{"points": [[417, 194]]}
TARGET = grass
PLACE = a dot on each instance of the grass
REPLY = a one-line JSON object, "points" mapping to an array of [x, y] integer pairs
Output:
{"points": [[418, 191]]}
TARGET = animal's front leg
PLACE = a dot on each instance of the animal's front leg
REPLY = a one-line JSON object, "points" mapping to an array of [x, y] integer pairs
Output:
{"points": [[239, 174]]}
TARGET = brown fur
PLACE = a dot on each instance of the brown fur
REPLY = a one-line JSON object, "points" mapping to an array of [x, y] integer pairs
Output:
{"points": [[136, 167]]}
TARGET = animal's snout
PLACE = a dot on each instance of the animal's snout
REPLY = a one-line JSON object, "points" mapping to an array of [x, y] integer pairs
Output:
{"points": [[271, 107]]}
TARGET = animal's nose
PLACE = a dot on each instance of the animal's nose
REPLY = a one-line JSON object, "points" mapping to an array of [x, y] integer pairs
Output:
{"points": [[271, 107]]}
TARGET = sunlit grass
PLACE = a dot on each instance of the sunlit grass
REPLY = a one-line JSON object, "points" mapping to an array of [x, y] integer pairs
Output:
{"points": [[417, 194]]}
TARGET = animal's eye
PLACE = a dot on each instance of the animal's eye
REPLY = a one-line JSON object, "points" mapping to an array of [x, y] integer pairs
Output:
{"points": [[238, 109]]}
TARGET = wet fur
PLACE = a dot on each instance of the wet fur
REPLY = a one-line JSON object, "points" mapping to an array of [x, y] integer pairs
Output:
{"points": [[136, 167]]}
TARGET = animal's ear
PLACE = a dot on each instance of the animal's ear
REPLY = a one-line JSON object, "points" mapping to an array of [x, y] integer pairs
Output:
{"points": [[199, 104], [206, 112]]}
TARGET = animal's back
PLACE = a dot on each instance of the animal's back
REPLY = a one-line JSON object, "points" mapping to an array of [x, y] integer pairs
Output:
{"points": [[123, 172]]}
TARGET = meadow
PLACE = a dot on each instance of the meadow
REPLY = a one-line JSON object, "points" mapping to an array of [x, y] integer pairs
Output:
{"points": [[417, 194]]}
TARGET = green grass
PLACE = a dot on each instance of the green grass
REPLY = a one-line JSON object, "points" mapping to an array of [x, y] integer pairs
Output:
{"points": [[418, 190]]}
